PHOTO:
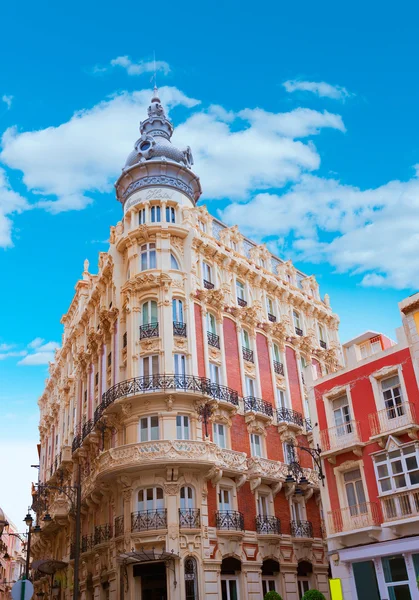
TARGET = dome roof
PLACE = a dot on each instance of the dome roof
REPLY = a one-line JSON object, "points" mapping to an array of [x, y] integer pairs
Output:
{"points": [[154, 143]]}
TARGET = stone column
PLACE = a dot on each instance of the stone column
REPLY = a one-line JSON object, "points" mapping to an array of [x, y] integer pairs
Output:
{"points": [[289, 581]]}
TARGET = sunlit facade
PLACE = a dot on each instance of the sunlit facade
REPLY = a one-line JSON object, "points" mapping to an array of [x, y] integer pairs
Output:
{"points": [[179, 390]]}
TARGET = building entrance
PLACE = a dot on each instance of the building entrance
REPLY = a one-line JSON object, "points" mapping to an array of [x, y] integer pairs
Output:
{"points": [[153, 580]]}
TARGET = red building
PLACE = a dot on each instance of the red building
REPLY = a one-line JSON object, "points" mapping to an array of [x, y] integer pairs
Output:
{"points": [[365, 418]]}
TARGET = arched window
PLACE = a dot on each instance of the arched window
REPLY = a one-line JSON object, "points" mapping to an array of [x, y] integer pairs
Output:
{"points": [[151, 512], [230, 576], [141, 216], [270, 570], [170, 214], [191, 578], [174, 263], [151, 499], [297, 322]]}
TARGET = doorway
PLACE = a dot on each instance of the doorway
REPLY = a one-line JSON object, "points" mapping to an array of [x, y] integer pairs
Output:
{"points": [[153, 580]]}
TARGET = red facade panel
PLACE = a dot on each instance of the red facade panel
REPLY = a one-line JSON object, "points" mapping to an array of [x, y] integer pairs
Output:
{"points": [[264, 368], [232, 355], [199, 341], [293, 380]]}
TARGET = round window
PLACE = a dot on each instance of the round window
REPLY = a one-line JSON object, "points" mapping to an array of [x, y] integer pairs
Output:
{"points": [[145, 146]]}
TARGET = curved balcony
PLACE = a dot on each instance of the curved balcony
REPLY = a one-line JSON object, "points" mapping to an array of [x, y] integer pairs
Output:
{"points": [[189, 518], [301, 529], [154, 384], [252, 404], [157, 454], [289, 416], [342, 438], [229, 520], [268, 470]]}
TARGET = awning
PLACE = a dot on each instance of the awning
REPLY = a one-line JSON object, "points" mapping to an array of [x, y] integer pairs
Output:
{"points": [[147, 556], [48, 566]]}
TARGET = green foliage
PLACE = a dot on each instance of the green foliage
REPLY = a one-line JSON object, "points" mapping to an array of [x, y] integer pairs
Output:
{"points": [[313, 595], [272, 596]]}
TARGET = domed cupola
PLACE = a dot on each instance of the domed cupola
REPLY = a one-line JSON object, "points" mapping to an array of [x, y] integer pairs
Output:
{"points": [[155, 161]]}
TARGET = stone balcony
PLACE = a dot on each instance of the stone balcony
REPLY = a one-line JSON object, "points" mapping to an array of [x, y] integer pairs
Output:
{"points": [[397, 420], [159, 453], [340, 439]]}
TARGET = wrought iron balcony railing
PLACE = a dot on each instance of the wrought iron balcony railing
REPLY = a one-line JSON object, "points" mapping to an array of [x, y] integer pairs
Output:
{"points": [[229, 519], [271, 318], [323, 344], [149, 519], [150, 384], [303, 529], [149, 330], [179, 329], [298, 331], [119, 526], [248, 354], [278, 368], [213, 339], [208, 284], [252, 404], [354, 517], [288, 415], [267, 524], [340, 437], [241, 302], [400, 416], [103, 533], [87, 542], [189, 518], [400, 506]]}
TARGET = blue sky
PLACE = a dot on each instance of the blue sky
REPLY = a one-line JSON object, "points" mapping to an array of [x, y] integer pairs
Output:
{"points": [[303, 123]]}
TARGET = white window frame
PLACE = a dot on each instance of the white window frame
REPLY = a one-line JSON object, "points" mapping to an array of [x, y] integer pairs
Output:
{"points": [[171, 212], [151, 360], [183, 429], [156, 501], [149, 309], [214, 373], [246, 339], [296, 317], [152, 430], [221, 492], [179, 363], [384, 373], [216, 434], [155, 213], [391, 475], [211, 323], [240, 290], [174, 263], [142, 216], [256, 445], [150, 252], [288, 455], [270, 306], [178, 310], [207, 272], [250, 386], [281, 394], [188, 502]]}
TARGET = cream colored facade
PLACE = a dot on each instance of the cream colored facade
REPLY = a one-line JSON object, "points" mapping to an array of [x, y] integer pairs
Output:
{"points": [[184, 313]]}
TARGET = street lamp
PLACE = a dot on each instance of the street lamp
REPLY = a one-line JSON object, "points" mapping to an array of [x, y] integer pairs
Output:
{"points": [[29, 521], [73, 493]]}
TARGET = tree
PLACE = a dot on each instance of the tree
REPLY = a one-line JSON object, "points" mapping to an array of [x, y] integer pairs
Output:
{"points": [[313, 595], [272, 596]]}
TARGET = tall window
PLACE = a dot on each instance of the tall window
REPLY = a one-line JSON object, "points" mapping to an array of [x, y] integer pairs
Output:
{"points": [[392, 395], [207, 272], [148, 256], [191, 578], [270, 306], [149, 312], [177, 310], [342, 416], [297, 319], [256, 444], [150, 365], [296, 511], [322, 336], [155, 214], [289, 453], [182, 427], [224, 499], [397, 469], [220, 437], [149, 429], [263, 505], [396, 577], [281, 398], [276, 353], [211, 323], [240, 290], [170, 214], [180, 364], [141, 216], [151, 499], [186, 498], [214, 373], [174, 263], [250, 386], [355, 495], [246, 339]]}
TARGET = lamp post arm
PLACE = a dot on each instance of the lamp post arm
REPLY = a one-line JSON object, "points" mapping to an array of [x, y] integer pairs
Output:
{"points": [[62, 490]]}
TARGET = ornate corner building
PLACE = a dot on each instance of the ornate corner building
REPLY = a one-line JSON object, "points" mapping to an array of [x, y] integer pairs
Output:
{"points": [[179, 393]]}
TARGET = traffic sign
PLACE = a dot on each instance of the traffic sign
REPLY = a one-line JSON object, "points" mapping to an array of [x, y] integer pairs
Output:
{"points": [[22, 590]]}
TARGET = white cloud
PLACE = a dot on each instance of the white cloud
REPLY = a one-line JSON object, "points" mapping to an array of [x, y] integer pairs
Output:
{"points": [[36, 343], [6, 347], [320, 88], [5, 355], [7, 100], [11, 203], [140, 67], [372, 233]]}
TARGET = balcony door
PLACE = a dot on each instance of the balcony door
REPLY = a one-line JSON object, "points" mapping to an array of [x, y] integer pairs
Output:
{"points": [[355, 496], [186, 498], [393, 398], [177, 310], [224, 500], [151, 499], [342, 416], [263, 505]]}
